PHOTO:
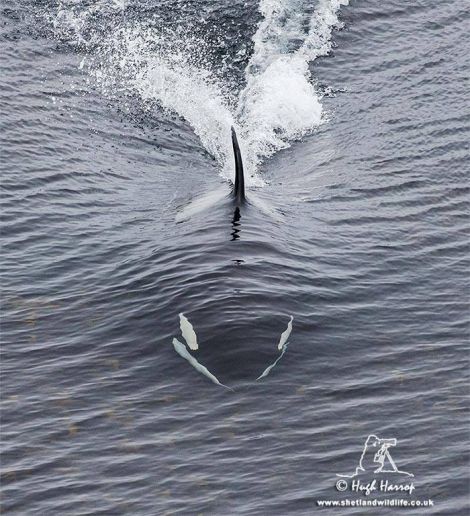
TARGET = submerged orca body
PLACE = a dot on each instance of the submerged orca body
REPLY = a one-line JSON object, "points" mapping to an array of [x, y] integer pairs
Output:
{"points": [[239, 185], [236, 199]]}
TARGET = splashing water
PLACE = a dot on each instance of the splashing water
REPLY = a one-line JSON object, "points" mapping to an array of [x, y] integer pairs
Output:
{"points": [[279, 103], [170, 68]]}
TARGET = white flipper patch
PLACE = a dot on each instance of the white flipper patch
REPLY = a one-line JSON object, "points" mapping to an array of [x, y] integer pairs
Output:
{"points": [[282, 346], [188, 333], [182, 351]]}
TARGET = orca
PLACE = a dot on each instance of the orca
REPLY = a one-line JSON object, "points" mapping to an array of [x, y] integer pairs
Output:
{"points": [[239, 184], [236, 198]]}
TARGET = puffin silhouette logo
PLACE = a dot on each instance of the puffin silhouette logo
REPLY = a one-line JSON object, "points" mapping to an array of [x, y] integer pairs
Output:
{"points": [[376, 458]]}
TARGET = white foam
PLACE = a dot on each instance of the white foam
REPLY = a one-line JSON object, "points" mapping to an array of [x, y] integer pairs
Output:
{"points": [[279, 103], [120, 4], [276, 107], [160, 68], [168, 67], [195, 95]]}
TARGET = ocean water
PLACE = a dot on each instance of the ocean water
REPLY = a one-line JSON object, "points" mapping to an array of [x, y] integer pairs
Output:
{"points": [[116, 162]]}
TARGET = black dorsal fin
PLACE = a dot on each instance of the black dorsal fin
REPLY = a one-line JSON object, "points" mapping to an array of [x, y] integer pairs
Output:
{"points": [[239, 188]]}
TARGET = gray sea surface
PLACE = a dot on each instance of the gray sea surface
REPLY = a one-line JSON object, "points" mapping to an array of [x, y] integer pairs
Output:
{"points": [[356, 225]]}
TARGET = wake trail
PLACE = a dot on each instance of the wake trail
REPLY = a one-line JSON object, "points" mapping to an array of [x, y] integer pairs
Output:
{"points": [[169, 67]]}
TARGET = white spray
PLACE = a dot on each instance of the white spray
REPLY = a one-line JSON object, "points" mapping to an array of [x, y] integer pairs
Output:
{"points": [[278, 104]]}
